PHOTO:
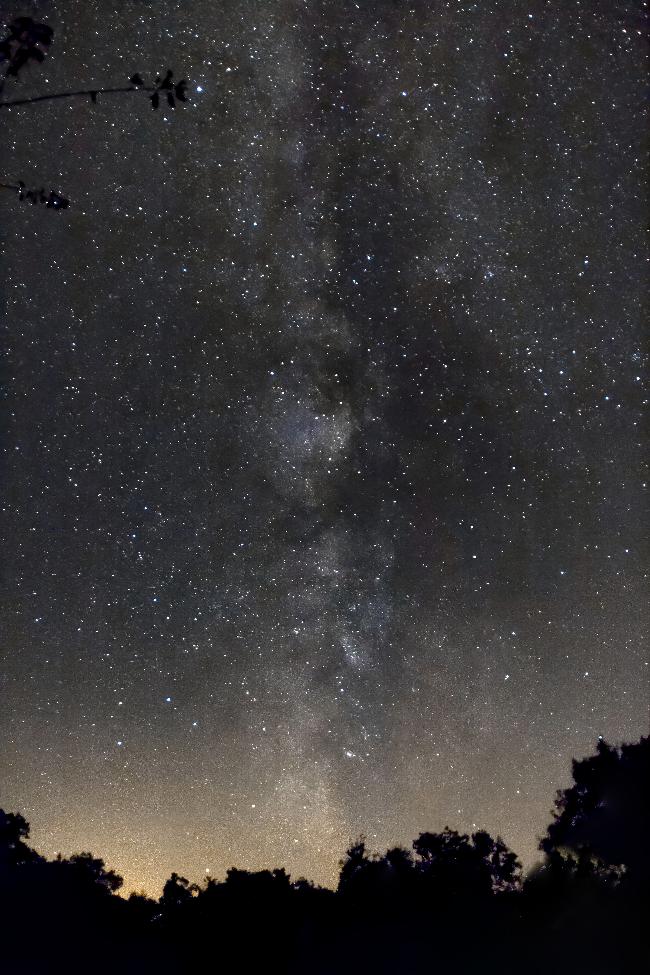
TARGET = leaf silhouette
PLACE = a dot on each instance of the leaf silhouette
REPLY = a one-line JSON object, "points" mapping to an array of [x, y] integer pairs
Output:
{"points": [[23, 43]]}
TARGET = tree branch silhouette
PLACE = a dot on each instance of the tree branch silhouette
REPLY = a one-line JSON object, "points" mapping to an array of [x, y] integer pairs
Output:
{"points": [[90, 92], [52, 200], [162, 85], [27, 41]]}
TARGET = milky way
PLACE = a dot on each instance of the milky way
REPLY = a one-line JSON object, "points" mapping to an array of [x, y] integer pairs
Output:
{"points": [[323, 468]]}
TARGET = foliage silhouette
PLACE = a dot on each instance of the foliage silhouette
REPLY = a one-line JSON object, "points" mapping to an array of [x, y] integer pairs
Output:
{"points": [[90, 872], [14, 852], [463, 867], [27, 41], [52, 200], [177, 892], [607, 811], [452, 902]]}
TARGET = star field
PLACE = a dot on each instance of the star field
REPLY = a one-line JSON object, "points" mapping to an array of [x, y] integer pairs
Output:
{"points": [[323, 460]]}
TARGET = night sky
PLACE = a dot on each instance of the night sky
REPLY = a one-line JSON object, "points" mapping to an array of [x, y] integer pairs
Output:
{"points": [[324, 507]]}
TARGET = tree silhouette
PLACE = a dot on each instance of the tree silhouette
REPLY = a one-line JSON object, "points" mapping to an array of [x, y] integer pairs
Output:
{"points": [[445, 865], [89, 871], [606, 812], [454, 864], [177, 893], [354, 865], [14, 852], [25, 41]]}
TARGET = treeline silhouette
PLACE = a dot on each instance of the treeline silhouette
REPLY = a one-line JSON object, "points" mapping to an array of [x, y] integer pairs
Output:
{"points": [[451, 903]]}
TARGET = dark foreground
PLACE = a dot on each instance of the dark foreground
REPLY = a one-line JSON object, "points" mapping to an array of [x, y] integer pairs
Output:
{"points": [[449, 904]]}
